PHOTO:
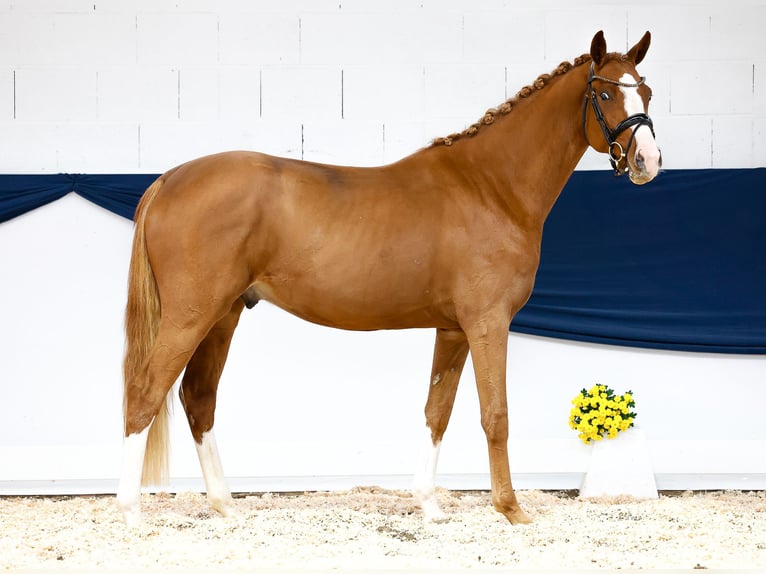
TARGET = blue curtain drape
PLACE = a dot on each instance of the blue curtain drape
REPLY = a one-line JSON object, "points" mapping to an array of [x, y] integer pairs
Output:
{"points": [[119, 193], [677, 264]]}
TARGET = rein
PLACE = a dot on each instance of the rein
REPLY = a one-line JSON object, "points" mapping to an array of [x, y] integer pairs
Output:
{"points": [[616, 151]]}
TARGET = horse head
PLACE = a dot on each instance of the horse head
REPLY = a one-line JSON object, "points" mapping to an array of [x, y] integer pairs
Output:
{"points": [[615, 111]]}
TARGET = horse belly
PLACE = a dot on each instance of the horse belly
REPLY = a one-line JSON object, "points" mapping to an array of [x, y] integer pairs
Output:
{"points": [[357, 302]]}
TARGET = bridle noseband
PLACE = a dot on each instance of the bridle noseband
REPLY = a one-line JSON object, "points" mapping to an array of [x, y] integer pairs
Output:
{"points": [[616, 152]]}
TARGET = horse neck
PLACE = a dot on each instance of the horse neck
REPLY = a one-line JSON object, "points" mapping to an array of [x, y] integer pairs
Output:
{"points": [[527, 156]]}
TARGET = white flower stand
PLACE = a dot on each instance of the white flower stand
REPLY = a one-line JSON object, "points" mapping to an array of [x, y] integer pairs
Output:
{"points": [[620, 466]]}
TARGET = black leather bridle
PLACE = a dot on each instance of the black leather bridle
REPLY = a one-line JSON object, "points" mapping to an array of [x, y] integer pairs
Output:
{"points": [[616, 151]]}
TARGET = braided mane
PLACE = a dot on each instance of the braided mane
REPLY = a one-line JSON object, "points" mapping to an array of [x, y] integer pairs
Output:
{"points": [[491, 114]]}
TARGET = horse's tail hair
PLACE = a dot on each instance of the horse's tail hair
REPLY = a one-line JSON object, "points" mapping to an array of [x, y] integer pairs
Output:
{"points": [[142, 318]]}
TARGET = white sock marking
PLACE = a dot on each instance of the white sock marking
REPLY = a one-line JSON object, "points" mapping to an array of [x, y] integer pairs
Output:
{"points": [[129, 489], [218, 493], [425, 481]]}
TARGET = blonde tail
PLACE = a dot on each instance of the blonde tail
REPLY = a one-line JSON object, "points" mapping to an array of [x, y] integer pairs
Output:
{"points": [[142, 318]]}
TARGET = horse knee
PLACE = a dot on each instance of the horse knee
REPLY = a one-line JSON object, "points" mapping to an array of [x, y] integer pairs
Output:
{"points": [[495, 425]]}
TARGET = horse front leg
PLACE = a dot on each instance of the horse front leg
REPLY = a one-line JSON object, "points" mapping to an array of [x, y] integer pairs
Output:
{"points": [[198, 396], [450, 352], [488, 340]]}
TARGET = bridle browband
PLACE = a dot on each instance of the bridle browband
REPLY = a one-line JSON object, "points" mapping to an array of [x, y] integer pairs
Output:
{"points": [[616, 152]]}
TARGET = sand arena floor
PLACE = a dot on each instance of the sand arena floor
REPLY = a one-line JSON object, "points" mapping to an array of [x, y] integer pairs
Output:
{"points": [[371, 528]]}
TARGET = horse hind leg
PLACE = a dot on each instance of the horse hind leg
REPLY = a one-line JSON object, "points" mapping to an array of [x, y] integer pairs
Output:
{"points": [[450, 352], [198, 397], [145, 394]]}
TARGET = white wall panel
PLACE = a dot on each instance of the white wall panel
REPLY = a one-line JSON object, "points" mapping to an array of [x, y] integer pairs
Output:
{"points": [[264, 38], [572, 28], [759, 140], [680, 32], [7, 81], [138, 93], [696, 88], [27, 39], [685, 141], [177, 142], [438, 35], [91, 39], [55, 94], [499, 37], [177, 39], [29, 147], [240, 93], [384, 93], [97, 144], [198, 94], [736, 32], [51, 6], [759, 87], [305, 93], [356, 39], [733, 143]]}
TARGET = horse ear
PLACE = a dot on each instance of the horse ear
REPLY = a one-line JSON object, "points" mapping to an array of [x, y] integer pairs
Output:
{"points": [[598, 48], [637, 52]]}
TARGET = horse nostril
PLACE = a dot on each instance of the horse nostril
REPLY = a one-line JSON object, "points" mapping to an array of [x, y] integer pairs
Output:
{"points": [[640, 161]]}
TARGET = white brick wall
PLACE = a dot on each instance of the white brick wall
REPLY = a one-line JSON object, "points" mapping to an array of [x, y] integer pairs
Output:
{"points": [[127, 86]]}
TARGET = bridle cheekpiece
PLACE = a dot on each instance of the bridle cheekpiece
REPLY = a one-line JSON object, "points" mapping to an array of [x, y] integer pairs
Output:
{"points": [[616, 151]]}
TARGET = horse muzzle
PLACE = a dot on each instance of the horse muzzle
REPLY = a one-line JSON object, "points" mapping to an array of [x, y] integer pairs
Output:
{"points": [[645, 164]]}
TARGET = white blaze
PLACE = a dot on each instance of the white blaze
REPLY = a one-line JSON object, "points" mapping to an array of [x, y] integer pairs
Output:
{"points": [[645, 144]]}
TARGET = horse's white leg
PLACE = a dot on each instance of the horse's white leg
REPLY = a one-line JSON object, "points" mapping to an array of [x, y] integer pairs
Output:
{"points": [[129, 489], [218, 493], [199, 389], [450, 352], [424, 485]]}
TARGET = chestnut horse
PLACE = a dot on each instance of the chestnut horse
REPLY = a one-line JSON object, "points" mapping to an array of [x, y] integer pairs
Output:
{"points": [[448, 237]]}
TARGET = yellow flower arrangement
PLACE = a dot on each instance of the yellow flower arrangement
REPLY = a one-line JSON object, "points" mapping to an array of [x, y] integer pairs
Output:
{"points": [[600, 413]]}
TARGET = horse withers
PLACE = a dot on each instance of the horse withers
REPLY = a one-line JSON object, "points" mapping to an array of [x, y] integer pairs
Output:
{"points": [[448, 238]]}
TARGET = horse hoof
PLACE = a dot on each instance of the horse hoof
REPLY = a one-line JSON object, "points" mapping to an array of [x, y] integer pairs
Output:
{"points": [[229, 513], [132, 518], [437, 517], [517, 516], [225, 508]]}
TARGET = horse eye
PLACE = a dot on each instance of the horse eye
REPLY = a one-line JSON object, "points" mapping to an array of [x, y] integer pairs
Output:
{"points": [[605, 96]]}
